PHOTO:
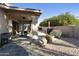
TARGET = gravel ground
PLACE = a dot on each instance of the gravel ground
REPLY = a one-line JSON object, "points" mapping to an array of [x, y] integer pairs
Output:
{"points": [[59, 47]]}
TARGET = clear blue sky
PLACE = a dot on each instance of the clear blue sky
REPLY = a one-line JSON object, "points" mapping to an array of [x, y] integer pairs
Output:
{"points": [[52, 9]]}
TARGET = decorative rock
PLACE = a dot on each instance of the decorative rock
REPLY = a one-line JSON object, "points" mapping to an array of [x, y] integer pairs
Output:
{"points": [[42, 41]]}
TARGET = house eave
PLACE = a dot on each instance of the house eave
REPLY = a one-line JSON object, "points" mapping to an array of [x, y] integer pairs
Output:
{"points": [[20, 9]]}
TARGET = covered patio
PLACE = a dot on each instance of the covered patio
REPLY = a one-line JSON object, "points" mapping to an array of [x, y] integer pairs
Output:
{"points": [[19, 18], [16, 20]]}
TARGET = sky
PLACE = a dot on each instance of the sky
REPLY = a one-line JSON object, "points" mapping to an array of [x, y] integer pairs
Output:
{"points": [[51, 9]]}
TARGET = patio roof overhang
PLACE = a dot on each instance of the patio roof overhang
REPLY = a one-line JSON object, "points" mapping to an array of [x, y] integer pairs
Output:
{"points": [[20, 14]]}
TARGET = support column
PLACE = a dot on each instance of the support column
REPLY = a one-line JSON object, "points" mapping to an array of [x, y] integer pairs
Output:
{"points": [[22, 28], [10, 26], [34, 28]]}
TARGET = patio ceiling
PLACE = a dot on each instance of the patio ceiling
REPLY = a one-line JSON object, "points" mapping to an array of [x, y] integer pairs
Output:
{"points": [[20, 14]]}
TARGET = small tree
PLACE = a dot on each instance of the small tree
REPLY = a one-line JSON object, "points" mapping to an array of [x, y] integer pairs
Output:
{"points": [[61, 20]]}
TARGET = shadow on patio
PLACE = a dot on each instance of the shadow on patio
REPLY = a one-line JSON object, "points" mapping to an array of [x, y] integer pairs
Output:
{"points": [[51, 52], [72, 41], [12, 49]]}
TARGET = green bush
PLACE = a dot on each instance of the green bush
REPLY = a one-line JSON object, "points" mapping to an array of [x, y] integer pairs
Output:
{"points": [[49, 39], [64, 19]]}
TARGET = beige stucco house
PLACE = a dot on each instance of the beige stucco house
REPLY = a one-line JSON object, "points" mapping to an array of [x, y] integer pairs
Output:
{"points": [[14, 18]]}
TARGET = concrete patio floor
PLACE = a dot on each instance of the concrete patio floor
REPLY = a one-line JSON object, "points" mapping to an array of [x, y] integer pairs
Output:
{"points": [[59, 47]]}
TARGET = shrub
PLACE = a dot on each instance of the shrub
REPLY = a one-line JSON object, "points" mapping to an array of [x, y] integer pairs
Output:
{"points": [[49, 38]]}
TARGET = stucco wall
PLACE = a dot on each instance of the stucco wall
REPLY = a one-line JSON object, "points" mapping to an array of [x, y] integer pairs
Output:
{"points": [[3, 22], [69, 31]]}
